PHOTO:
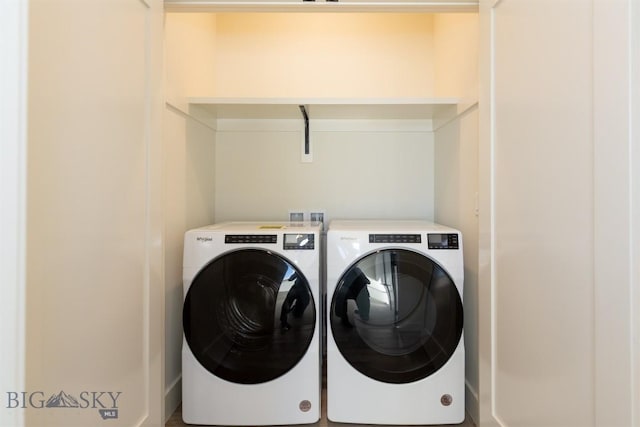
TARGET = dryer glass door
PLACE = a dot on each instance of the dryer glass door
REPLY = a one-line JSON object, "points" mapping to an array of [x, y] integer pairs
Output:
{"points": [[249, 316], [396, 316]]}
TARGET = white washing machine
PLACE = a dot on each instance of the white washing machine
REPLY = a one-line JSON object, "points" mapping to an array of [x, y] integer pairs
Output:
{"points": [[251, 322], [395, 347]]}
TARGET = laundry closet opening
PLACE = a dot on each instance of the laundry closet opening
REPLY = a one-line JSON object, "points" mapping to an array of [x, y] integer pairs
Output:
{"points": [[391, 99], [377, 86]]}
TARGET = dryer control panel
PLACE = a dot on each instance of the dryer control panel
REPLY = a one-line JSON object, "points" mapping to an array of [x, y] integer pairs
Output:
{"points": [[443, 241], [395, 238]]}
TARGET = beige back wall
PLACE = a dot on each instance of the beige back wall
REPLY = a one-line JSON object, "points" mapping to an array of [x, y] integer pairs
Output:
{"points": [[324, 55], [354, 174]]}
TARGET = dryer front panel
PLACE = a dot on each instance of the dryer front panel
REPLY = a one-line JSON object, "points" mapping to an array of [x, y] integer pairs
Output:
{"points": [[249, 316], [396, 316]]}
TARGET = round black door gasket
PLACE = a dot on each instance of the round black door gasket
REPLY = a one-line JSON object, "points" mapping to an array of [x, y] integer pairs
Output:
{"points": [[249, 316], [396, 316]]}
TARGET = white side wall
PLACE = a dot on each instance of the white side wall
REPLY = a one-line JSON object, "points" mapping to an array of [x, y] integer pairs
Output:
{"points": [[189, 166], [456, 189], [93, 223], [189, 194], [456, 45]]}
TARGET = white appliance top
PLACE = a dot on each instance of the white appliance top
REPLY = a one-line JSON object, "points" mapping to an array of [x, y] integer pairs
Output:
{"points": [[389, 226], [262, 226]]}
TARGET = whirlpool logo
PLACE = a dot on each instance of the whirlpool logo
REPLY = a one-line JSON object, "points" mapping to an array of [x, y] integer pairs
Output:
{"points": [[106, 402]]}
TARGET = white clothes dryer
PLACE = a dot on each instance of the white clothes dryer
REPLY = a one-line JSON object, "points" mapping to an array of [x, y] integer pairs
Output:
{"points": [[251, 322], [395, 346]]}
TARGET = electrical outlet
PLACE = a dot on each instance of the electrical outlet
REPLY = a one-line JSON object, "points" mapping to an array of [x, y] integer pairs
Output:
{"points": [[317, 216], [296, 216]]}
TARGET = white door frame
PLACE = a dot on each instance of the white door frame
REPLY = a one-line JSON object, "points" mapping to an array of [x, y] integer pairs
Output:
{"points": [[13, 84], [634, 121]]}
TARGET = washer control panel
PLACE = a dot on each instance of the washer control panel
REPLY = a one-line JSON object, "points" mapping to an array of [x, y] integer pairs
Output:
{"points": [[250, 238], [297, 241]]}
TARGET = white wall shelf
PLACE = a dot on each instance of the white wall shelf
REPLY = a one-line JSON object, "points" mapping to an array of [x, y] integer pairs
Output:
{"points": [[441, 6], [437, 109]]}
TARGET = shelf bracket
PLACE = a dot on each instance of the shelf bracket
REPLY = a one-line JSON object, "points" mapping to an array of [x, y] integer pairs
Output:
{"points": [[306, 154]]}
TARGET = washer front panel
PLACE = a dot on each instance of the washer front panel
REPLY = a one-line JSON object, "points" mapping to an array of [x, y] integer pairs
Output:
{"points": [[249, 316], [396, 316]]}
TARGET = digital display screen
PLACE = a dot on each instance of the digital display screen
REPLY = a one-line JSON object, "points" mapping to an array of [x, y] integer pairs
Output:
{"points": [[293, 239], [438, 239], [443, 241], [299, 241]]}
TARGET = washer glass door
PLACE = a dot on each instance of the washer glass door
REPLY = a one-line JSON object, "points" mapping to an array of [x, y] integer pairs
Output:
{"points": [[396, 316], [249, 316]]}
